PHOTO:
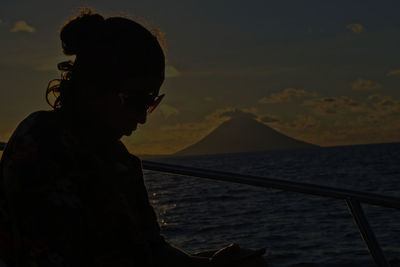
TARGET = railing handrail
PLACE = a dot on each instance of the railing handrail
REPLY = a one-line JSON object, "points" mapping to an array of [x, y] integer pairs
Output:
{"points": [[274, 183]]}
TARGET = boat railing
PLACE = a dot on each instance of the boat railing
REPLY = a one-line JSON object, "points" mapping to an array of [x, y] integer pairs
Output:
{"points": [[353, 198]]}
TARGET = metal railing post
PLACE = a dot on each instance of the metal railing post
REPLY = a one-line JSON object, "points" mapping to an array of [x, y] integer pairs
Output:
{"points": [[367, 233]]}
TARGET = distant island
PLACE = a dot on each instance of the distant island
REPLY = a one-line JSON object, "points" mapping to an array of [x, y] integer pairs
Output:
{"points": [[243, 134]]}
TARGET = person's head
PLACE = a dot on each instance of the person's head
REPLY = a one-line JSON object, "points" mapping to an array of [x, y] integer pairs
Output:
{"points": [[116, 75]]}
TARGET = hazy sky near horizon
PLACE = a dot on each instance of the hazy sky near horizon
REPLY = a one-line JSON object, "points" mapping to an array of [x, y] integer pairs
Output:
{"points": [[326, 72]]}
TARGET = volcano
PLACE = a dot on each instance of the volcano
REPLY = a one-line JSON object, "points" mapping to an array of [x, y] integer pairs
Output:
{"points": [[242, 134]]}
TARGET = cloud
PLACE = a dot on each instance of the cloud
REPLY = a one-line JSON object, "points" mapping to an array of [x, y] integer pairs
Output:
{"points": [[22, 26], [383, 106], [393, 72], [243, 71], [218, 115], [302, 123], [376, 106], [267, 118], [379, 99], [171, 72], [334, 105], [355, 28], [168, 110], [237, 113], [362, 84], [370, 119], [284, 96], [186, 127]]}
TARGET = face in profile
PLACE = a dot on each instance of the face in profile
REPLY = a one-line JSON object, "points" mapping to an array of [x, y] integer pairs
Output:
{"points": [[130, 105]]}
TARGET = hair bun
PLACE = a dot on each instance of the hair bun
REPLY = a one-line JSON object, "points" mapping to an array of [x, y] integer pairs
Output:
{"points": [[80, 33]]}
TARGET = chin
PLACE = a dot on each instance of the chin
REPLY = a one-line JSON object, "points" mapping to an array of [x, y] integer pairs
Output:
{"points": [[128, 132]]}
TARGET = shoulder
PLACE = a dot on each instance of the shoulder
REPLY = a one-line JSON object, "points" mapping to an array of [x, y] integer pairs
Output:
{"points": [[40, 116], [31, 137], [36, 123]]}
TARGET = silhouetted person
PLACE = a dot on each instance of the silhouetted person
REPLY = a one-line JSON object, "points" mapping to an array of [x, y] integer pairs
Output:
{"points": [[75, 194]]}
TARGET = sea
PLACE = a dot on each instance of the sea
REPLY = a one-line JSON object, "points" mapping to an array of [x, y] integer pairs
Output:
{"points": [[199, 214]]}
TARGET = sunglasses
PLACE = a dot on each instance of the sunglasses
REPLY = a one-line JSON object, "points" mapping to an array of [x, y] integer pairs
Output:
{"points": [[138, 101]]}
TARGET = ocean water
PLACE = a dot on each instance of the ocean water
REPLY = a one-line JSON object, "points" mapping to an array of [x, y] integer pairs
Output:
{"points": [[298, 230]]}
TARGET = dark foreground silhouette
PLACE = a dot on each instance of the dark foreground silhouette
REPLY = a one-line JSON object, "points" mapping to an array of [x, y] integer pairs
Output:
{"points": [[71, 193]]}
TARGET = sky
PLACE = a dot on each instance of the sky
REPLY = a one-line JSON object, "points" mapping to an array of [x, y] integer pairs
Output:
{"points": [[325, 72]]}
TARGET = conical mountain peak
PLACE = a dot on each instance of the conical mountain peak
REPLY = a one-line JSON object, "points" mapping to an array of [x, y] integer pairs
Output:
{"points": [[243, 134]]}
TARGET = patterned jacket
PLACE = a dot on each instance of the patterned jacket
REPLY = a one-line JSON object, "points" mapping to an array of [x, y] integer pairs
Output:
{"points": [[73, 203]]}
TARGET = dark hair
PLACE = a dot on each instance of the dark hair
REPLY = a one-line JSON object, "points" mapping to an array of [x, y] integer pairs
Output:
{"points": [[107, 51]]}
